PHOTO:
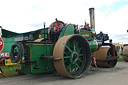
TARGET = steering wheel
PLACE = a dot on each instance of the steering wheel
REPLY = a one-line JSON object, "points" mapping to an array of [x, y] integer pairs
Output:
{"points": [[56, 26]]}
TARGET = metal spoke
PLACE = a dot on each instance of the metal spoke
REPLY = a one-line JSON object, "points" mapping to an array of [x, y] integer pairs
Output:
{"points": [[76, 44], [69, 68], [73, 58], [66, 60], [80, 60], [80, 54], [109, 54], [68, 48], [66, 56], [65, 53], [77, 65], [79, 50]]}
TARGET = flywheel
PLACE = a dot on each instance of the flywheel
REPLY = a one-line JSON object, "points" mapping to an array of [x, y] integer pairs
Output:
{"points": [[72, 56]]}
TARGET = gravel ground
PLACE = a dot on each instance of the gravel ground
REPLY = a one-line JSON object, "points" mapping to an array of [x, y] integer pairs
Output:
{"points": [[96, 76]]}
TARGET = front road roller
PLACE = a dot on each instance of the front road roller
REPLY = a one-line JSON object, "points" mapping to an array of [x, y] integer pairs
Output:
{"points": [[104, 57], [72, 56], [125, 53]]}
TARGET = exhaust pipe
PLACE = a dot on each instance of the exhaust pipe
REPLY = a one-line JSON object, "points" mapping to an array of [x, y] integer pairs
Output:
{"points": [[92, 18]]}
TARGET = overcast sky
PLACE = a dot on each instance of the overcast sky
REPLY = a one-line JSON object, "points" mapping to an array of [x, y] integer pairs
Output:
{"points": [[111, 16]]}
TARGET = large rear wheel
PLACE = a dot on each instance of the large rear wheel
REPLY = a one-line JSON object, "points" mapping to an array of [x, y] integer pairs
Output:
{"points": [[72, 56]]}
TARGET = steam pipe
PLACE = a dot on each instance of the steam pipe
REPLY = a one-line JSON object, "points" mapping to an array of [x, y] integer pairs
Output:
{"points": [[92, 18]]}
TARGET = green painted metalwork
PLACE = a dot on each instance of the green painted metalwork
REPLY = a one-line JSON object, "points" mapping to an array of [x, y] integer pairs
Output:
{"points": [[92, 42], [68, 29], [63, 31], [39, 45], [74, 56], [8, 42], [43, 33], [36, 58], [87, 33], [8, 38], [73, 53], [93, 45], [26, 68], [35, 54]]}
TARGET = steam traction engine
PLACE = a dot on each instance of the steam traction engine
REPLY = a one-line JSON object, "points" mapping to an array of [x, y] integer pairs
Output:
{"points": [[63, 48]]}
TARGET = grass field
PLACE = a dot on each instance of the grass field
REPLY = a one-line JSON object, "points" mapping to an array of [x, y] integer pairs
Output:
{"points": [[120, 57], [9, 70]]}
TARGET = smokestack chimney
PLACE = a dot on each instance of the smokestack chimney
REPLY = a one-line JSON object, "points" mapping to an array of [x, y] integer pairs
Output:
{"points": [[92, 18]]}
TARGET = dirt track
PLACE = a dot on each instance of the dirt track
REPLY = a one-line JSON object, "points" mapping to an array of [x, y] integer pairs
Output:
{"points": [[97, 76]]}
